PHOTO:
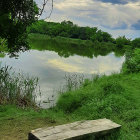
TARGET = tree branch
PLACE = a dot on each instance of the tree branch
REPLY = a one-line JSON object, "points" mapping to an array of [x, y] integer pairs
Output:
{"points": [[44, 4], [51, 10]]}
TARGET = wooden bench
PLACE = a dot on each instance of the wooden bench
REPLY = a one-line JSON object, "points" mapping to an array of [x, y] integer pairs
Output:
{"points": [[77, 130]]}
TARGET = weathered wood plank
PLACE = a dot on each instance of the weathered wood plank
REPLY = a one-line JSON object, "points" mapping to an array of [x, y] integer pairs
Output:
{"points": [[76, 130]]}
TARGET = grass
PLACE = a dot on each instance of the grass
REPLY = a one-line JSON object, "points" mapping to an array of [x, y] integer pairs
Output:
{"points": [[66, 42], [72, 82], [17, 88], [115, 97], [16, 123], [68, 47], [61, 39]]}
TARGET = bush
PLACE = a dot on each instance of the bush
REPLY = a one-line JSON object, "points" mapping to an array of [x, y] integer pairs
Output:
{"points": [[132, 63], [136, 43], [122, 41]]}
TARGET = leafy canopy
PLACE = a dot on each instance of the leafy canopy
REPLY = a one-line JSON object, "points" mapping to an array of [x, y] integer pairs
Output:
{"points": [[70, 30], [15, 17]]}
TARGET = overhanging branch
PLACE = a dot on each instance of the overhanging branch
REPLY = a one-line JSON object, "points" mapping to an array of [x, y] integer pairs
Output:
{"points": [[43, 7]]}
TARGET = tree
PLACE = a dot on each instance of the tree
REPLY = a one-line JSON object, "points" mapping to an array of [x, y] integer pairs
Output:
{"points": [[136, 43], [121, 41], [15, 17]]}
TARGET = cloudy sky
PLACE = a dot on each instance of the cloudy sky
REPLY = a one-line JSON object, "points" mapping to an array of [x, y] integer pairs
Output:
{"points": [[118, 17]]}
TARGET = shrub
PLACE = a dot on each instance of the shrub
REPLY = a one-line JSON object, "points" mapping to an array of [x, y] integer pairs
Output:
{"points": [[132, 63], [121, 41], [136, 43]]}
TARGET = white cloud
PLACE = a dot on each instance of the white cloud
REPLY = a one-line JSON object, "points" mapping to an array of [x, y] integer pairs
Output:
{"points": [[77, 64], [105, 14], [97, 13], [65, 66]]}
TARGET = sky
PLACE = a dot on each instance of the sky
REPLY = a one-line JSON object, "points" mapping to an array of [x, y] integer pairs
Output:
{"points": [[118, 17]]}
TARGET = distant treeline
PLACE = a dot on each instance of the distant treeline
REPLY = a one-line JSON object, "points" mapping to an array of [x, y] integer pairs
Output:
{"points": [[70, 30], [66, 47]]}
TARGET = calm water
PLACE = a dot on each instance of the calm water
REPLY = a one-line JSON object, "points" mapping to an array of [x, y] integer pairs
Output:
{"points": [[51, 68]]}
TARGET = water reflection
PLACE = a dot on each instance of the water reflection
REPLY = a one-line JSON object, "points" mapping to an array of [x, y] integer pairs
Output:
{"points": [[47, 63], [66, 48]]}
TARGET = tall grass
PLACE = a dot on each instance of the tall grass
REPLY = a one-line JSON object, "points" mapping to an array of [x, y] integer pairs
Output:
{"points": [[76, 81], [73, 81], [115, 97], [17, 88]]}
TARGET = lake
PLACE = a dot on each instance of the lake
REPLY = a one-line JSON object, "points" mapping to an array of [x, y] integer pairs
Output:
{"points": [[51, 66]]}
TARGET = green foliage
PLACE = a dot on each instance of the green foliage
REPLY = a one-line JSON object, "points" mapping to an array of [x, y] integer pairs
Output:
{"points": [[112, 88], [132, 63], [99, 41], [68, 47], [3, 48], [70, 30], [70, 101], [121, 41], [136, 43], [115, 97], [101, 37], [73, 82], [17, 88], [15, 17], [2, 55]]}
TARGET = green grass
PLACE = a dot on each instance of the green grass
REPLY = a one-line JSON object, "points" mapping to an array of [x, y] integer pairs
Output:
{"points": [[116, 97], [16, 123], [17, 88], [66, 47]]}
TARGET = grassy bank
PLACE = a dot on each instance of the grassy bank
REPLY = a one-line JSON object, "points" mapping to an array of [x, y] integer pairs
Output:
{"points": [[58, 40], [66, 47], [115, 97]]}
